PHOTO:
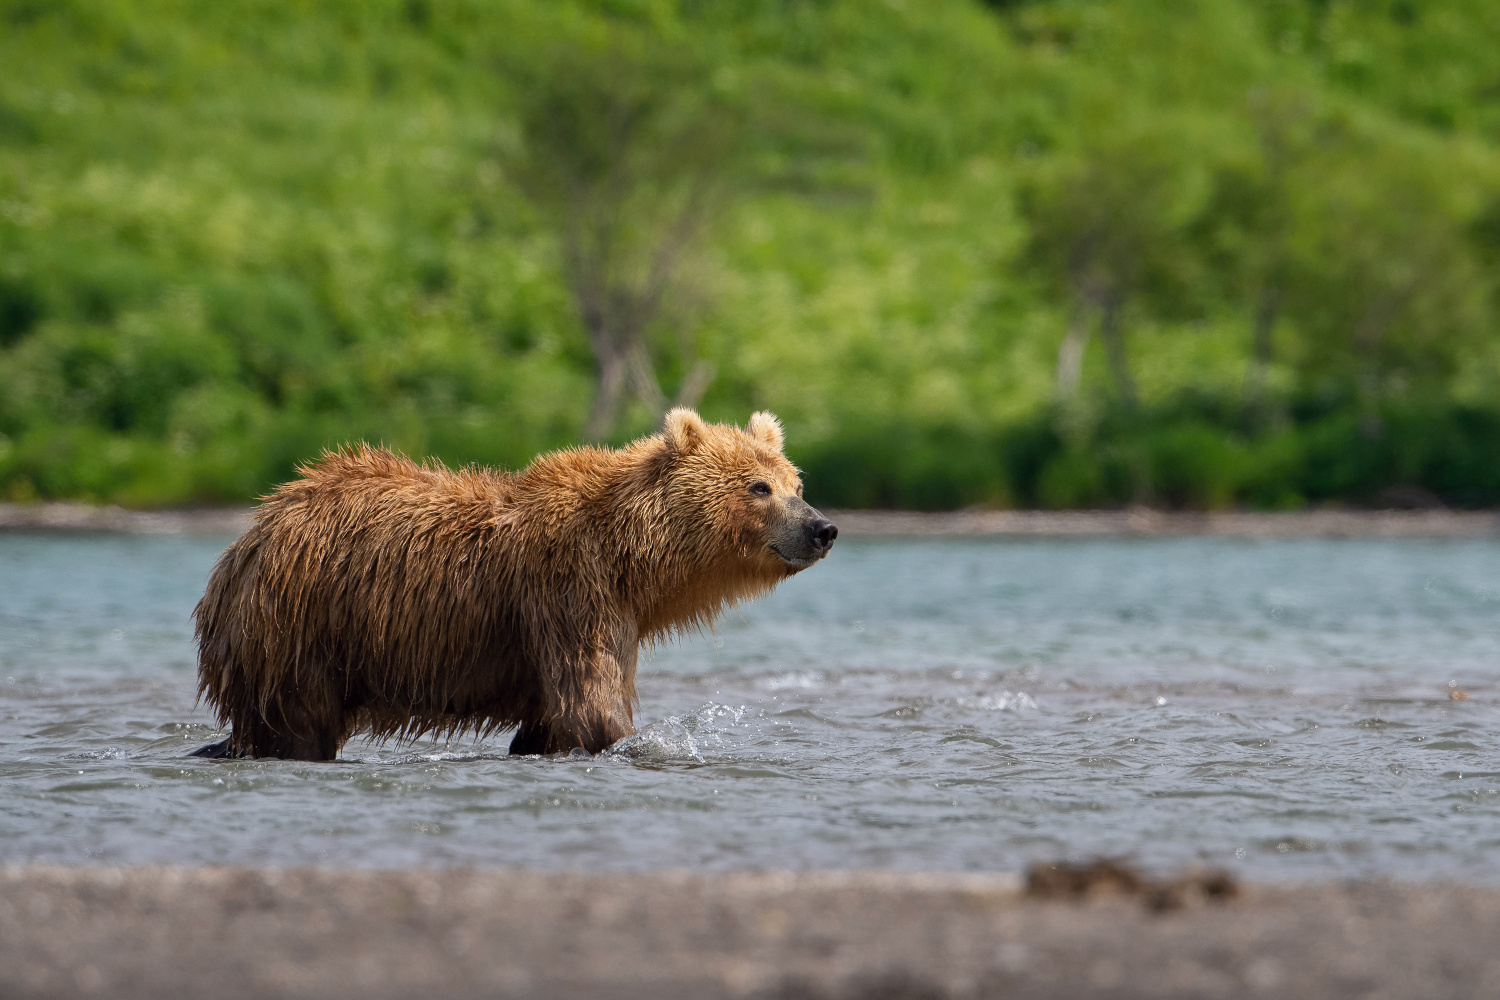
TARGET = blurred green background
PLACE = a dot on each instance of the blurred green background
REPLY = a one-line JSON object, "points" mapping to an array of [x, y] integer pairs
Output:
{"points": [[1056, 254]]}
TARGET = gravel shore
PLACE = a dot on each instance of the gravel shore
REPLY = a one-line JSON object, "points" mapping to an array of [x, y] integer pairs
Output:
{"points": [[1143, 521], [77, 518], [240, 933], [1137, 521]]}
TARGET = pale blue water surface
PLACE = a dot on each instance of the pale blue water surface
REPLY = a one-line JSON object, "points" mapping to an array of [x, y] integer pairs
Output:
{"points": [[1282, 708]]}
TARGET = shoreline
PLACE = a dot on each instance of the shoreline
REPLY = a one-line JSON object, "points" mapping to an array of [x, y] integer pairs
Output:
{"points": [[63, 518], [75, 518], [1147, 522], [242, 932]]}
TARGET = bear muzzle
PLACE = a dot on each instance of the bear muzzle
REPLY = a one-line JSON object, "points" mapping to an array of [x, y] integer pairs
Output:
{"points": [[805, 536]]}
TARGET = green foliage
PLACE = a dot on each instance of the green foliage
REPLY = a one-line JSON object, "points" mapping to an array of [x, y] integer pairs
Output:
{"points": [[625, 146], [1187, 455], [231, 235]]}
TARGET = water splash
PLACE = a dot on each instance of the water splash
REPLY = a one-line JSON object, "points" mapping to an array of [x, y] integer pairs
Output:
{"points": [[107, 753], [686, 738], [1005, 701], [797, 680]]}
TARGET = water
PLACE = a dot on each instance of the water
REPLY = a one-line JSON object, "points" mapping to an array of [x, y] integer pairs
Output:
{"points": [[1281, 708]]}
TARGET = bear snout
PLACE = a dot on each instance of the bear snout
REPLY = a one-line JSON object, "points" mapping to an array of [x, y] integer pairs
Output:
{"points": [[801, 535], [821, 533]]}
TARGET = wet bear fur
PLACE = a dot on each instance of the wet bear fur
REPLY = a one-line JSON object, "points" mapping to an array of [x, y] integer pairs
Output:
{"points": [[375, 594]]}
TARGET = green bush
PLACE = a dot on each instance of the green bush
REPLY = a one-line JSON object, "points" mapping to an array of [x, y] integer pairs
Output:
{"points": [[1052, 254], [1169, 458]]}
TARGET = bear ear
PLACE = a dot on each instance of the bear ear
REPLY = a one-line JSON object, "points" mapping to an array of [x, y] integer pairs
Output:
{"points": [[765, 427], [684, 430]]}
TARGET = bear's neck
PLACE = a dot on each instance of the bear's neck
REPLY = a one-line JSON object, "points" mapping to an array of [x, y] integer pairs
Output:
{"points": [[673, 578], [686, 601], [660, 564], [672, 583]]}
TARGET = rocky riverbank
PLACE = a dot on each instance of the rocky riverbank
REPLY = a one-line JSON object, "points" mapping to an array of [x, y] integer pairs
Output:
{"points": [[1138, 521], [80, 518], [242, 933]]}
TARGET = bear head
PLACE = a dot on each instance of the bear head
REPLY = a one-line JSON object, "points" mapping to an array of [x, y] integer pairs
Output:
{"points": [[742, 496]]}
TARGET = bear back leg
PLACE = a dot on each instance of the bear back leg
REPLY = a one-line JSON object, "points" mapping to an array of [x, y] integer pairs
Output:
{"points": [[530, 739], [222, 750], [262, 737]]}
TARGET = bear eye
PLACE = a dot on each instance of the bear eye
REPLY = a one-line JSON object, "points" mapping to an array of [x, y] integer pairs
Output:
{"points": [[760, 488]]}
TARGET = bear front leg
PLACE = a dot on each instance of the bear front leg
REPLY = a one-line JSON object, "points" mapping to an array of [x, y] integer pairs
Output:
{"points": [[600, 695], [561, 735]]}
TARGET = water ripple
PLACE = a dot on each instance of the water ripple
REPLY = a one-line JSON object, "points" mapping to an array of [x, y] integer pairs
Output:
{"points": [[1300, 709]]}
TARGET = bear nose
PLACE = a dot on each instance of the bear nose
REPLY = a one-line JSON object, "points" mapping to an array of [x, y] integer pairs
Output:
{"points": [[823, 532]]}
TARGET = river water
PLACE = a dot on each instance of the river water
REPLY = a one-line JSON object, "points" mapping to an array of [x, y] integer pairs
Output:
{"points": [[1287, 709]]}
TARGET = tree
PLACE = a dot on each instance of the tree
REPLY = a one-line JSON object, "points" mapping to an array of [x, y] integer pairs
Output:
{"points": [[1106, 226], [1247, 230], [624, 149], [1250, 225], [1388, 294]]}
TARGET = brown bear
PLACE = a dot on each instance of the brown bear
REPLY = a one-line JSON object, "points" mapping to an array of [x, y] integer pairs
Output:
{"points": [[377, 594]]}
